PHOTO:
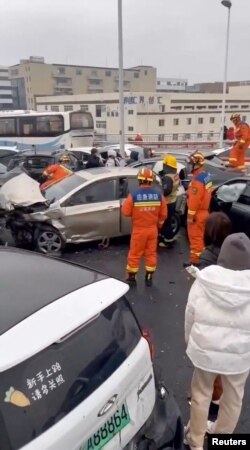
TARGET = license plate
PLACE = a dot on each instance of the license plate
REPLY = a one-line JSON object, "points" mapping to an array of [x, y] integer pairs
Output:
{"points": [[113, 425]]}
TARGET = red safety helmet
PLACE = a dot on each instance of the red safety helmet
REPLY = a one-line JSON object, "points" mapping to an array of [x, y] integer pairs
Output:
{"points": [[145, 175]]}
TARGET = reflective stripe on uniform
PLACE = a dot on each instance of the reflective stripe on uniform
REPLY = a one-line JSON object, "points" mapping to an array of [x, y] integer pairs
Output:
{"points": [[191, 213], [150, 269], [209, 185], [132, 269], [147, 203], [242, 141]]}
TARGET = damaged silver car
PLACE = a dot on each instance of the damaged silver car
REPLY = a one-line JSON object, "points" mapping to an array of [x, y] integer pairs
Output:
{"points": [[83, 207]]}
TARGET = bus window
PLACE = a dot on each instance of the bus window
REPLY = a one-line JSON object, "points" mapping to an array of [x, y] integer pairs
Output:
{"points": [[7, 126], [81, 119], [27, 126], [49, 125]]}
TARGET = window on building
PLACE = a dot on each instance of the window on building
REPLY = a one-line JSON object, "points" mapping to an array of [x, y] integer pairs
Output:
{"points": [[78, 71], [212, 107], [100, 110], [84, 108], [176, 122], [244, 106], [175, 137], [101, 124], [94, 82], [55, 108], [46, 108], [161, 123], [14, 72], [244, 118], [189, 107], [161, 137], [234, 106], [189, 121], [108, 73], [130, 112], [130, 128], [158, 83], [145, 72], [200, 107], [61, 70], [212, 120], [94, 73], [162, 108], [136, 74], [200, 120], [199, 135], [187, 136], [176, 108], [8, 127], [68, 107]]}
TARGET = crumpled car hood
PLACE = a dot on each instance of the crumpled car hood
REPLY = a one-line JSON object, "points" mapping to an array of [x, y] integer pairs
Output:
{"points": [[20, 191]]}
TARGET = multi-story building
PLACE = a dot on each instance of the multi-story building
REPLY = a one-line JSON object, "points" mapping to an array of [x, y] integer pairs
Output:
{"points": [[6, 99], [33, 77], [171, 85], [158, 116]]}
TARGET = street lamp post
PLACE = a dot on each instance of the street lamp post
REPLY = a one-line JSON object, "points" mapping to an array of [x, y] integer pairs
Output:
{"points": [[227, 4], [121, 100]]}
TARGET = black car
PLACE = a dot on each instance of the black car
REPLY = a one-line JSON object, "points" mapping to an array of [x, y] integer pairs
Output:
{"points": [[233, 198], [34, 164]]}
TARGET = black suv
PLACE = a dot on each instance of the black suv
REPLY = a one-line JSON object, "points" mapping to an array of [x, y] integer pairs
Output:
{"points": [[34, 163]]}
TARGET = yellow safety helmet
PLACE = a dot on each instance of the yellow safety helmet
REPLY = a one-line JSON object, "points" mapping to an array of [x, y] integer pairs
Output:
{"points": [[234, 117], [170, 160]]}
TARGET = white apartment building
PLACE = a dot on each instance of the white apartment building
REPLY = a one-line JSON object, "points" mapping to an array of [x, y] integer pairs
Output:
{"points": [[6, 99], [157, 116]]}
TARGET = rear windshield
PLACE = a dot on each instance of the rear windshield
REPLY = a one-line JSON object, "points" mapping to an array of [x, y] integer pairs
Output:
{"points": [[63, 187], [39, 392]]}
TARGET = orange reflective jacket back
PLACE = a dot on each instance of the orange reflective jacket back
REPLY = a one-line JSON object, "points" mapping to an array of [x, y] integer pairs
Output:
{"points": [[146, 206], [199, 192], [242, 133], [55, 173]]}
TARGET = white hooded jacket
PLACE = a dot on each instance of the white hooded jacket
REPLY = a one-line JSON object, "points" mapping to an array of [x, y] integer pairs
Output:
{"points": [[217, 320]]}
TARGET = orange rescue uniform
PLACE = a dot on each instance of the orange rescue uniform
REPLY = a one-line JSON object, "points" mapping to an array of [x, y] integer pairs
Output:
{"points": [[148, 211], [199, 196], [238, 152], [55, 173]]}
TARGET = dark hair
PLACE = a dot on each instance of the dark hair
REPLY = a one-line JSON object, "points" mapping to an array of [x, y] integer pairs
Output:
{"points": [[94, 151], [217, 227]]}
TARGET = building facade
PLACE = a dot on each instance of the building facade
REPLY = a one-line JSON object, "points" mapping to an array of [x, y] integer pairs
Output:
{"points": [[6, 97], [33, 77], [158, 116]]}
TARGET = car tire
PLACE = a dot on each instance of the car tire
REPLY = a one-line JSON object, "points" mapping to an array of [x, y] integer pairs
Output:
{"points": [[48, 240], [175, 223]]}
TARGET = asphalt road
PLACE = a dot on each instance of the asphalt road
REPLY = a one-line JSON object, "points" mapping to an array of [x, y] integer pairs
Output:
{"points": [[160, 309]]}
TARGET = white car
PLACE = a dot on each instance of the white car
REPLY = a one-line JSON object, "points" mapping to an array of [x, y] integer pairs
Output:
{"points": [[76, 369]]}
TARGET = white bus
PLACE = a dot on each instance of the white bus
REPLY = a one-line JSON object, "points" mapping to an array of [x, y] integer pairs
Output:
{"points": [[46, 130]]}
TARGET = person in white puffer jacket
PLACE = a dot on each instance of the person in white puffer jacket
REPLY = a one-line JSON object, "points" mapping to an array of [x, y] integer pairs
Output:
{"points": [[217, 333]]}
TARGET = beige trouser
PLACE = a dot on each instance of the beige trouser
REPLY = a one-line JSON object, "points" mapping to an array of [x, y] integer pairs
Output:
{"points": [[230, 404]]}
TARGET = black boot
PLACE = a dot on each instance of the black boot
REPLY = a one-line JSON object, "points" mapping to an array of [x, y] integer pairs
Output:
{"points": [[131, 280], [149, 279]]}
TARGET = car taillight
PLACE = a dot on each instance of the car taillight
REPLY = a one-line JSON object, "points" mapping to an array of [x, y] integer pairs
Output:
{"points": [[146, 335]]}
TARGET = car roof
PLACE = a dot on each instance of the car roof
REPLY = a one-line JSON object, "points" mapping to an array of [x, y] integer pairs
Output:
{"points": [[30, 281], [106, 172]]}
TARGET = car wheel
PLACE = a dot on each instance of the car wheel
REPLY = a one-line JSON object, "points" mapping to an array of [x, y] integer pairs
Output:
{"points": [[48, 241], [175, 223]]}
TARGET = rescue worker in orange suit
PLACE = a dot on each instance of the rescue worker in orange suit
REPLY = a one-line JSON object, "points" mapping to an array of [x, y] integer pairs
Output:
{"points": [[56, 172], [198, 201], [170, 185], [242, 136], [147, 208]]}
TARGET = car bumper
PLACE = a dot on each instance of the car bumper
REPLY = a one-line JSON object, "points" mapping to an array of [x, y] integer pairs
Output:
{"points": [[164, 428]]}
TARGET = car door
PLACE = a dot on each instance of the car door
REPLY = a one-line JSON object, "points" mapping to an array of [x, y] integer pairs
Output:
{"points": [[126, 186], [227, 195], [240, 212], [93, 212]]}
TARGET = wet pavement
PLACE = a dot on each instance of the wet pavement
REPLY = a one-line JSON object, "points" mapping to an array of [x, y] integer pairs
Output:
{"points": [[160, 309]]}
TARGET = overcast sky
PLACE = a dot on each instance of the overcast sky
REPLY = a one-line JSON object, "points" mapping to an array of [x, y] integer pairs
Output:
{"points": [[182, 38]]}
